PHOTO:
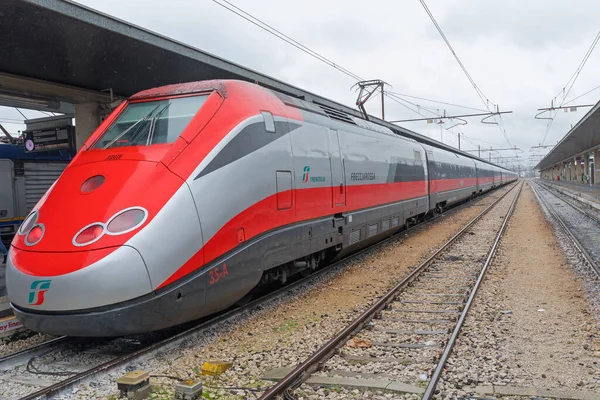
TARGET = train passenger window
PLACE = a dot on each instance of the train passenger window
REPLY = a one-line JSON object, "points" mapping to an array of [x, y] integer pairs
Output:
{"points": [[151, 122]]}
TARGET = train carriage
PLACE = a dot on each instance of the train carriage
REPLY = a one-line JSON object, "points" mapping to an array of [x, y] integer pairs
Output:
{"points": [[452, 177], [189, 196], [485, 176]]}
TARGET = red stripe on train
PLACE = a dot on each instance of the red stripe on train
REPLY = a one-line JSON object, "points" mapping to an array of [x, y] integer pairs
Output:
{"points": [[308, 204], [444, 185]]}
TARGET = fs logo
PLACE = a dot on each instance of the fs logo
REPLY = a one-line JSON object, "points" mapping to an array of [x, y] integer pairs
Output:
{"points": [[305, 174], [38, 288]]}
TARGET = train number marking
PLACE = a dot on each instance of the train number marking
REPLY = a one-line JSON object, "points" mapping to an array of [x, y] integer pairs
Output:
{"points": [[218, 273]]}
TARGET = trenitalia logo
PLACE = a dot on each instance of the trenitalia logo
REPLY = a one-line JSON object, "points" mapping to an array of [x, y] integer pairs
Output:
{"points": [[36, 296], [305, 174], [306, 178]]}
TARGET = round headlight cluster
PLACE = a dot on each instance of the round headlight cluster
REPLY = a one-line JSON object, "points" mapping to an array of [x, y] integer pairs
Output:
{"points": [[31, 229], [122, 222]]}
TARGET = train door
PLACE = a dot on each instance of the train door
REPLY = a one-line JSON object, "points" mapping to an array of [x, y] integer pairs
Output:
{"points": [[338, 178], [431, 185]]}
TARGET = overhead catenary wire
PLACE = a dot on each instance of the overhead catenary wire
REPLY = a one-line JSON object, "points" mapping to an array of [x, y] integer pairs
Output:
{"points": [[463, 135], [570, 83], [250, 18], [467, 138], [435, 101], [479, 92], [392, 96], [396, 97], [575, 75], [580, 96], [266, 27]]}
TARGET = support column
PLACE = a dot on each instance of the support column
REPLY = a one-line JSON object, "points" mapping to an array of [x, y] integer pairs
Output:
{"points": [[597, 167], [586, 168], [87, 119]]}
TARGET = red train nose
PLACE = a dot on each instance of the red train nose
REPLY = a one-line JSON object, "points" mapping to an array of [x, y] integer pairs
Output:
{"points": [[96, 206]]}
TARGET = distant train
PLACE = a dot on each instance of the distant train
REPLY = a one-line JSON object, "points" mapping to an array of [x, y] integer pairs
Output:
{"points": [[24, 178], [188, 196]]}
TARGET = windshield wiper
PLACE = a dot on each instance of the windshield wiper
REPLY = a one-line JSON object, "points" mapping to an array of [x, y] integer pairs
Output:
{"points": [[130, 128], [153, 125]]}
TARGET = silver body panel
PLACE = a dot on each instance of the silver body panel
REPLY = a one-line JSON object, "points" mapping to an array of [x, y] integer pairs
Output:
{"points": [[118, 277]]}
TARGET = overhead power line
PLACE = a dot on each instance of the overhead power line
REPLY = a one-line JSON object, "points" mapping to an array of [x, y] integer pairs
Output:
{"points": [[457, 116], [570, 83], [273, 31], [250, 18], [575, 75], [578, 97], [480, 93], [435, 101], [393, 96]]}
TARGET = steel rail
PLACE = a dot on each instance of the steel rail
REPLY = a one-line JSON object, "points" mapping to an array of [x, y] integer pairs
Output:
{"points": [[18, 357], [179, 338], [550, 190], [565, 228], [431, 387], [302, 371]]}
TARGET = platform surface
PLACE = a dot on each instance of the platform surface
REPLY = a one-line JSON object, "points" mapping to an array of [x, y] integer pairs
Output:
{"points": [[584, 192]]}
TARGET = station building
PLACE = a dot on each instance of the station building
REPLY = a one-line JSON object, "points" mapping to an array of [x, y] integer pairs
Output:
{"points": [[576, 158]]}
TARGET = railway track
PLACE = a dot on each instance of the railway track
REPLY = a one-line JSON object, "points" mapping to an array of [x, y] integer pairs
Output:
{"points": [[53, 360], [580, 226], [417, 322]]}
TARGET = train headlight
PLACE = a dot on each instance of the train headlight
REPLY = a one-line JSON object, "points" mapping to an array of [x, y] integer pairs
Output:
{"points": [[89, 234], [34, 235], [29, 223], [122, 222], [126, 221]]}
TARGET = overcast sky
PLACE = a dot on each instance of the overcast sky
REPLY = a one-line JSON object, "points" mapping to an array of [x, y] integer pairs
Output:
{"points": [[519, 52]]}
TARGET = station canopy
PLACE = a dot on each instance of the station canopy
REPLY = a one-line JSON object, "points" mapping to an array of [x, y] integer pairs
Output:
{"points": [[55, 52], [584, 136]]}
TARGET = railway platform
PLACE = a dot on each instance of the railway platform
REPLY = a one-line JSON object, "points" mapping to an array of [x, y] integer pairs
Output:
{"points": [[587, 194]]}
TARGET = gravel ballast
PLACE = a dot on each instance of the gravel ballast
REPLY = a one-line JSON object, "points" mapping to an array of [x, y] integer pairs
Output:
{"points": [[531, 324]]}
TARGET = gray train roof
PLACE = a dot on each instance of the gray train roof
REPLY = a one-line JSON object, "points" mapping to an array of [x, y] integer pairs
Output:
{"points": [[67, 43], [583, 136]]}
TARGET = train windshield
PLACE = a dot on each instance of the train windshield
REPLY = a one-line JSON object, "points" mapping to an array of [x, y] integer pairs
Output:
{"points": [[151, 122]]}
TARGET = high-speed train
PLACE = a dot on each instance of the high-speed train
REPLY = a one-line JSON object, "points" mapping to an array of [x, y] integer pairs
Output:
{"points": [[188, 196]]}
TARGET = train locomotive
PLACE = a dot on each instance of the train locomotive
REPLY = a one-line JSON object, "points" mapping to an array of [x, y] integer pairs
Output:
{"points": [[189, 196]]}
